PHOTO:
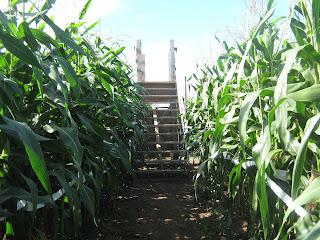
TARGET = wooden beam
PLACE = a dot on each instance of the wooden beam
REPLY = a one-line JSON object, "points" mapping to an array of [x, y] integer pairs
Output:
{"points": [[172, 62], [140, 60]]}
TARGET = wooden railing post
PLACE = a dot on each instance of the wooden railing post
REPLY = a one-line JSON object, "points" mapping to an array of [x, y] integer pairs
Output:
{"points": [[172, 62], [140, 60]]}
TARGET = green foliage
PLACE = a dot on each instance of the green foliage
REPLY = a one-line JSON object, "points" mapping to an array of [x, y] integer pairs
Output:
{"points": [[69, 116], [260, 102]]}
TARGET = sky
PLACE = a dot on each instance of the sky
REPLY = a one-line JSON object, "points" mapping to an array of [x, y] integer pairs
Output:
{"points": [[192, 24]]}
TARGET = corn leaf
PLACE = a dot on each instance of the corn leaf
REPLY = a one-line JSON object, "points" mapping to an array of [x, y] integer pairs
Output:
{"points": [[16, 47], [63, 36], [311, 126], [85, 9], [33, 149]]}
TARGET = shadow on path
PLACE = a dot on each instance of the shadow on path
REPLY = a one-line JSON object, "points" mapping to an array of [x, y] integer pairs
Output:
{"points": [[160, 209]]}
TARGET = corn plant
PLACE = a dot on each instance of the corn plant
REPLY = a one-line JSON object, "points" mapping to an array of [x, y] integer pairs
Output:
{"points": [[258, 106], [69, 117]]}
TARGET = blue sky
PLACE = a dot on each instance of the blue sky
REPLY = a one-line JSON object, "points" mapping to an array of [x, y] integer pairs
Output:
{"points": [[179, 19], [170, 19], [193, 25]]}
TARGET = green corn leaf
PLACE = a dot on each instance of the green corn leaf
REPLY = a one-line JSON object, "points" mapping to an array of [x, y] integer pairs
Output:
{"points": [[123, 153], [281, 113], [9, 229], [316, 22], [108, 87], [298, 167], [310, 94], [94, 127], [44, 38], [297, 28], [200, 172], [63, 36], [39, 78], [68, 71], [33, 149], [313, 234], [234, 180], [310, 195], [85, 9], [249, 43], [13, 3], [34, 193], [47, 5], [261, 150], [73, 198], [92, 26], [245, 108], [87, 198], [55, 75], [4, 21], [70, 138], [16, 47], [28, 37], [263, 200]]}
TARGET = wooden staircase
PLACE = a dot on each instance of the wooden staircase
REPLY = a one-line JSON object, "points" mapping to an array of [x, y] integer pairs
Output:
{"points": [[165, 149]]}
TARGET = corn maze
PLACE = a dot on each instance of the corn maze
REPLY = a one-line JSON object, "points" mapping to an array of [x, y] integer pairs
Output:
{"points": [[74, 127]]}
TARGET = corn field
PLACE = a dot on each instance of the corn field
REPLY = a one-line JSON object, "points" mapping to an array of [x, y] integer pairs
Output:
{"points": [[70, 116], [258, 107]]}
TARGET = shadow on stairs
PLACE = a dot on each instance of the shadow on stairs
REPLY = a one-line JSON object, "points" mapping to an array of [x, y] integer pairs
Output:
{"points": [[164, 152]]}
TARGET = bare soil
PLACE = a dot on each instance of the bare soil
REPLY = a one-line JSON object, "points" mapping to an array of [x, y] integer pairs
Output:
{"points": [[165, 209]]}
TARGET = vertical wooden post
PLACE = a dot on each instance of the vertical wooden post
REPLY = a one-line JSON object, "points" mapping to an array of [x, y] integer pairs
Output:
{"points": [[140, 60], [172, 62]]}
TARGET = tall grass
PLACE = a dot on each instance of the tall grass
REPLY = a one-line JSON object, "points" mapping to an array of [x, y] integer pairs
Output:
{"points": [[260, 104], [69, 117]]}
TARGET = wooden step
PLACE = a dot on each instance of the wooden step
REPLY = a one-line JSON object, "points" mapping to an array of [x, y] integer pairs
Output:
{"points": [[165, 110], [164, 162], [163, 117], [169, 136], [162, 152], [160, 91], [160, 109], [166, 142], [164, 134], [160, 98], [175, 125], [161, 163], [158, 84]]}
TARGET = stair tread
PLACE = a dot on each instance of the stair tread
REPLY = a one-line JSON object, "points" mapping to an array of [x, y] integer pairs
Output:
{"points": [[162, 117], [166, 142], [165, 162], [164, 125], [160, 96], [162, 151], [165, 109], [169, 133], [156, 82], [161, 89], [160, 101], [163, 171]]}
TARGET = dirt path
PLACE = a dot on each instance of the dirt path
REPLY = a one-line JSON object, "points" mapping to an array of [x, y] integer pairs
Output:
{"points": [[161, 209]]}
